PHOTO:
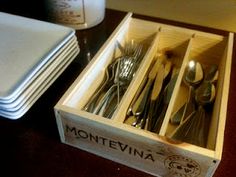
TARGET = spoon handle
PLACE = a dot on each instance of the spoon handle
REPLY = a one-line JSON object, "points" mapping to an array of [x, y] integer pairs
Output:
{"points": [[198, 133], [193, 130], [182, 130], [190, 104], [212, 74], [176, 117]]}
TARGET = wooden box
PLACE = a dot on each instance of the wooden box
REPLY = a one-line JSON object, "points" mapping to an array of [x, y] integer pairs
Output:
{"points": [[151, 152]]}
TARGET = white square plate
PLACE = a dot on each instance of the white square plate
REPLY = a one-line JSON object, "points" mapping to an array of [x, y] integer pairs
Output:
{"points": [[26, 45]]}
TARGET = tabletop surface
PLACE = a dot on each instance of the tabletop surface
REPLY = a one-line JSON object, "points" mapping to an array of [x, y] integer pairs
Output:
{"points": [[31, 147]]}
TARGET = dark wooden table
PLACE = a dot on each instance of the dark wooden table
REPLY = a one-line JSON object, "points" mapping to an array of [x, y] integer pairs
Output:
{"points": [[31, 147]]}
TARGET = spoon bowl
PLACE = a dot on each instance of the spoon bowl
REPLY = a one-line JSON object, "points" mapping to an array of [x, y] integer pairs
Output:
{"points": [[193, 73], [205, 94]]}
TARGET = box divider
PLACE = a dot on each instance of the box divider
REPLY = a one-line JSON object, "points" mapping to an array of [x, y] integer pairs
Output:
{"points": [[120, 113], [176, 89]]}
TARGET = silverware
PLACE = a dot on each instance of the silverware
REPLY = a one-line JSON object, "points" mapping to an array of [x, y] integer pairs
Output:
{"points": [[194, 129], [93, 101], [140, 88], [142, 111], [167, 93], [145, 102], [192, 77], [141, 102], [157, 88], [148, 100], [120, 74]]}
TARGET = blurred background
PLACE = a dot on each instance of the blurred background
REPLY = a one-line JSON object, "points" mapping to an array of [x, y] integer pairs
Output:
{"points": [[219, 14]]}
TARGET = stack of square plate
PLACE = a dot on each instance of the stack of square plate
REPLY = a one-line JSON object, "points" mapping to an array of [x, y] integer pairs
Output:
{"points": [[32, 55]]}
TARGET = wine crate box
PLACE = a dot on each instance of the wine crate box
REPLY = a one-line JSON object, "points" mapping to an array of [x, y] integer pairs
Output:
{"points": [[154, 153]]}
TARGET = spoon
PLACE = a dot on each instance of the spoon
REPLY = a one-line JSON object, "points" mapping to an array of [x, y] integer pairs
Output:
{"points": [[192, 77], [205, 95], [194, 128]]}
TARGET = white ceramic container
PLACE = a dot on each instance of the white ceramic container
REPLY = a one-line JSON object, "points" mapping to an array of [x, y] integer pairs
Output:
{"points": [[78, 14]]}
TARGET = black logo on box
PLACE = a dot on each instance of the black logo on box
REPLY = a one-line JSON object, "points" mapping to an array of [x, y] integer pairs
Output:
{"points": [[182, 166]]}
